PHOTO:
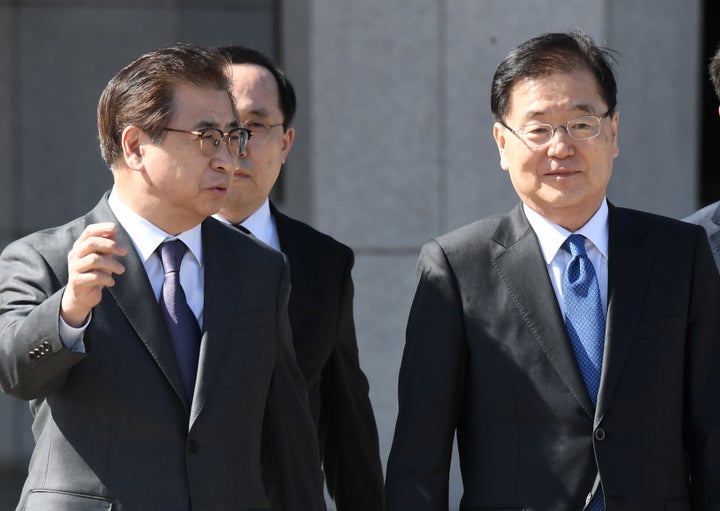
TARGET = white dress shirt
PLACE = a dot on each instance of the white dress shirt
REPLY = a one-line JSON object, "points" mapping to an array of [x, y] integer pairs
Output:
{"points": [[261, 224], [551, 237], [146, 238]]}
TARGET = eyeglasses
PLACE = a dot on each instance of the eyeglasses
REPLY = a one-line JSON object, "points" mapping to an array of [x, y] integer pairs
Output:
{"points": [[210, 139], [260, 131], [584, 127]]}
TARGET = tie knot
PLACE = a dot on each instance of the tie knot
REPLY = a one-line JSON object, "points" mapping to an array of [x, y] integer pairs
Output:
{"points": [[575, 244], [171, 254]]}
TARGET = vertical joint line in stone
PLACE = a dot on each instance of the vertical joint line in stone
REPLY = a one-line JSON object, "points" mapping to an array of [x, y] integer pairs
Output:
{"points": [[15, 115], [443, 199]]}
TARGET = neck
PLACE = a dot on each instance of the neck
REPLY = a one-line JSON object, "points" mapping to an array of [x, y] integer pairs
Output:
{"points": [[238, 215]]}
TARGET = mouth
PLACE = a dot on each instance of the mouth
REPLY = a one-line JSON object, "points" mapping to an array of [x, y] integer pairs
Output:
{"points": [[240, 174], [219, 189], [562, 173]]}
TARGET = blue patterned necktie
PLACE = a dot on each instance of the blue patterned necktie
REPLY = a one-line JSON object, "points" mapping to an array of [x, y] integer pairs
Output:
{"points": [[585, 323], [179, 318]]}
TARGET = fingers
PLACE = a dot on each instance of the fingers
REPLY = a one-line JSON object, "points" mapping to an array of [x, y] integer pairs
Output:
{"points": [[93, 253], [100, 238], [91, 265]]}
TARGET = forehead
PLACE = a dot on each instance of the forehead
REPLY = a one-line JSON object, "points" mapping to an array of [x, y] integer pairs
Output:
{"points": [[555, 93], [198, 106], [254, 88]]}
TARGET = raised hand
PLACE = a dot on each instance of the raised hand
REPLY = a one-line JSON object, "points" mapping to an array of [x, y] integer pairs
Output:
{"points": [[91, 265]]}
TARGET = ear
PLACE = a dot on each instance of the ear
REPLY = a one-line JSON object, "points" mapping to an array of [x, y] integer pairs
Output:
{"points": [[288, 139], [132, 139], [614, 133], [499, 136]]}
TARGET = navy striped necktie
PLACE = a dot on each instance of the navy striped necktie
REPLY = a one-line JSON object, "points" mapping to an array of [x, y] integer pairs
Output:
{"points": [[179, 318]]}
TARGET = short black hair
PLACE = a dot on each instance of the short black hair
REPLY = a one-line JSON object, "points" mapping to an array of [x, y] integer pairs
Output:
{"points": [[550, 53], [143, 92], [286, 91], [714, 69]]}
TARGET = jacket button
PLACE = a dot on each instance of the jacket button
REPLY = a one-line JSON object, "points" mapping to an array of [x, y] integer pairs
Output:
{"points": [[32, 355], [192, 444], [599, 434]]}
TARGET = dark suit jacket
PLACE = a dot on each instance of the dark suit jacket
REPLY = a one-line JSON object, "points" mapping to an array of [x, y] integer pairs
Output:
{"points": [[709, 218], [113, 428], [488, 356], [321, 315]]}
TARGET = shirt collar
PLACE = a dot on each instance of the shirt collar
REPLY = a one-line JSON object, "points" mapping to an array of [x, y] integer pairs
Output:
{"points": [[146, 236], [551, 236], [260, 223]]}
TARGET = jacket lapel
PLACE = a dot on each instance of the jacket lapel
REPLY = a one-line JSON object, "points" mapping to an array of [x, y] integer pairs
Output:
{"points": [[628, 274], [518, 259], [134, 296], [714, 235], [222, 256], [299, 256]]}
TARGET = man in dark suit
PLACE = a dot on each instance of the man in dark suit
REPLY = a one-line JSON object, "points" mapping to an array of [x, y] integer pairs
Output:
{"points": [[562, 396], [158, 383], [709, 216], [321, 301]]}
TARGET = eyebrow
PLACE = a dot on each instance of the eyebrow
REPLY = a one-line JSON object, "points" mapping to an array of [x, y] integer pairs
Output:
{"points": [[212, 124], [583, 107], [260, 112]]}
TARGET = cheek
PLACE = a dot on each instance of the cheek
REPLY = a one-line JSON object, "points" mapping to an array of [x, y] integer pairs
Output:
{"points": [[524, 164], [271, 174], [603, 164]]}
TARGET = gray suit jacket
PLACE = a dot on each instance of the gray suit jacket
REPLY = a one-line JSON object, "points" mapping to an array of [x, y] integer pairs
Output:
{"points": [[488, 357], [709, 218], [113, 428]]}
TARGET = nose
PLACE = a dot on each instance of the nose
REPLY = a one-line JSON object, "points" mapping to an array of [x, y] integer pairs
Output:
{"points": [[223, 160], [561, 144], [244, 151]]}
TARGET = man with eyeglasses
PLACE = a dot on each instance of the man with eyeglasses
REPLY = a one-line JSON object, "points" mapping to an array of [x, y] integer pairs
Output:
{"points": [[321, 300], [709, 216], [153, 342], [570, 345]]}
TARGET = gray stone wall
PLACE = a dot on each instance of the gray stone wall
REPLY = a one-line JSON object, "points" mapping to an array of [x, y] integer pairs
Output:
{"points": [[394, 141]]}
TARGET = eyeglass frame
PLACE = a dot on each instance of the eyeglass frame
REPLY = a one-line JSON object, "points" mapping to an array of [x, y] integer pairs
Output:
{"points": [[553, 129], [266, 126], [225, 138]]}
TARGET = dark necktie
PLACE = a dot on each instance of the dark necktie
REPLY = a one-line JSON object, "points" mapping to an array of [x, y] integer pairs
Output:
{"points": [[179, 318], [242, 228], [585, 323]]}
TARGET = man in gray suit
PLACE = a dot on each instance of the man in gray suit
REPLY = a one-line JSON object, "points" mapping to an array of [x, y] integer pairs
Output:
{"points": [[614, 408], [158, 384], [709, 216]]}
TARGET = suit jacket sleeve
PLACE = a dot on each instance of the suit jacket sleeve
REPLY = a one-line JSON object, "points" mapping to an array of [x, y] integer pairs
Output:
{"points": [[703, 380], [351, 452], [430, 390], [291, 457], [32, 281]]}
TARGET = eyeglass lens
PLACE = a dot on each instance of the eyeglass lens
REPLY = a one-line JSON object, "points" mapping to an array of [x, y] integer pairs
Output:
{"points": [[260, 131], [580, 128], [212, 139]]}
